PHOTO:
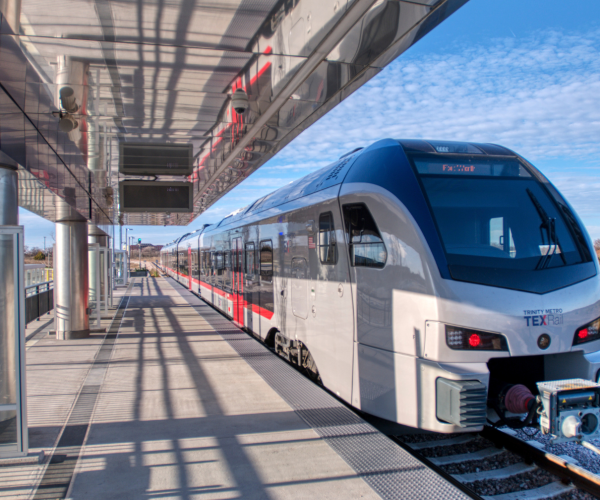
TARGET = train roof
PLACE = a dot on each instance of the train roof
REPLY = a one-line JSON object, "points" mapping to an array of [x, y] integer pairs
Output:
{"points": [[186, 236], [335, 172], [193, 234], [175, 241], [437, 147]]}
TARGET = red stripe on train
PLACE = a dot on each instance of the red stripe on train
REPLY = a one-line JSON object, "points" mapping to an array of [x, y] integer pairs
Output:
{"points": [[265, 313]]}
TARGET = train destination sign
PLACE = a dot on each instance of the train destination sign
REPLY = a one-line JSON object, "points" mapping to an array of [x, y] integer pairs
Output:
{"points": [[462, 166]]}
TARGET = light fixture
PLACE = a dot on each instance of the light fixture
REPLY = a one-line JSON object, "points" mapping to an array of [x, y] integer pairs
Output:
{"points": [[67, 100], [67, 123]]}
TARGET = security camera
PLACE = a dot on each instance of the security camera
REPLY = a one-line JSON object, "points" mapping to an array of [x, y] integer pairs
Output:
{"points": [[240, 101], [67, 100]]}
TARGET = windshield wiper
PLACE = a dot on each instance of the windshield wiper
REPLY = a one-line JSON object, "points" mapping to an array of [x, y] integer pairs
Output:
{"points": [[549, 225]]}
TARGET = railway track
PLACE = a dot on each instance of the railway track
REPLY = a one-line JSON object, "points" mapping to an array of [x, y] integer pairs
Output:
{"points": [[496, 465]]}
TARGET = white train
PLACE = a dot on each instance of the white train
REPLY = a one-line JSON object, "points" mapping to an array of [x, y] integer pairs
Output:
{"points": [[415, 279]]}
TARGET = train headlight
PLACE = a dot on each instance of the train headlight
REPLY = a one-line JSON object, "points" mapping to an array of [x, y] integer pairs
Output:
{"points": [[458, 338], [587, 333]]}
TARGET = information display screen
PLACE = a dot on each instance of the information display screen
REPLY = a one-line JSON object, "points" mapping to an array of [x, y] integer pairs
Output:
{"points": [[155, 159], [151, 196], [469, 166]]}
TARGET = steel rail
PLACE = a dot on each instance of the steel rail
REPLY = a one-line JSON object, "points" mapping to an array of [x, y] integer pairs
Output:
{"points": [[566, 471]]}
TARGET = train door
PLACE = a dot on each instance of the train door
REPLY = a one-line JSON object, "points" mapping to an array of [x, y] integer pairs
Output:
{"points": [[266, 292], [190, 267], [330, 301], [237, 281], [250, 278], [299, 287]]}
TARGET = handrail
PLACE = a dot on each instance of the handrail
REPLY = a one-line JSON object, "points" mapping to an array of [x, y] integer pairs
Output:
{"points": [[39, 284], [47, 286]]}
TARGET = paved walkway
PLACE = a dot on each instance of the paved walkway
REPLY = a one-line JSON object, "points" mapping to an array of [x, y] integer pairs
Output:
{"points": [[181, 415], [55, 373], [175, 402]]}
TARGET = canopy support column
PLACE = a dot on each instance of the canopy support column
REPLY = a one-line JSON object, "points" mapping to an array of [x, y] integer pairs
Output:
{"points": [[71, 280]]}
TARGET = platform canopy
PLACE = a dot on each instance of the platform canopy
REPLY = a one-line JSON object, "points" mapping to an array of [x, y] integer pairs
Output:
{"points": [[90, 85]]}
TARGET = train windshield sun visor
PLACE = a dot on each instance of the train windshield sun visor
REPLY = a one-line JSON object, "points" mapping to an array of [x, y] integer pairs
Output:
{"points": [[499, 225]]}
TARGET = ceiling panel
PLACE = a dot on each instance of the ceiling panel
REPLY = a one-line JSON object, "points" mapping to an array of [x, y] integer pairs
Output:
{"points": [[165, 71]]}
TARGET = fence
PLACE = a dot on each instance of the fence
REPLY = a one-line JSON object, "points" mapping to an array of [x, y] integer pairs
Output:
{"points": [[39, 299], [138, 274], [37, 273]]}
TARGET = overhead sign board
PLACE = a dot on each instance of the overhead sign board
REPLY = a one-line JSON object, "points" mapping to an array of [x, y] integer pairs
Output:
{"points": [[154, 196], [155, 159]]}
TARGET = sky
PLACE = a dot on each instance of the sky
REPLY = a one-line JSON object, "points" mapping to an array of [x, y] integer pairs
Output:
{"points": [[521, 73]]}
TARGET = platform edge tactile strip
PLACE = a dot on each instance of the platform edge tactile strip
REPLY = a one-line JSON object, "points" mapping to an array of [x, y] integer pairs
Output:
{"points": [[58, 476], [389, 470]]}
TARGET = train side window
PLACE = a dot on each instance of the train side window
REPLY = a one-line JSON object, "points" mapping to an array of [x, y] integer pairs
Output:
{"points": [[250, 266], [327, 243], [266, 260], [195, 271], [364, 241]]}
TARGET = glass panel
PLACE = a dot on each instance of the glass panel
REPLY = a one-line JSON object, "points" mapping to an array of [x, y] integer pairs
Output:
{"points": [[365, 244], [327, 243], [93, 262], [495, 222], [250, 269], [497, 232], [227, 270], [102, 275], [368, 254], [266, 260], [8, 427], [8, 365]]}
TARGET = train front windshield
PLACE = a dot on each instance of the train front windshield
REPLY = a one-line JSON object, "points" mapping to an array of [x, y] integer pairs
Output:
{"points": [[498, 224]]}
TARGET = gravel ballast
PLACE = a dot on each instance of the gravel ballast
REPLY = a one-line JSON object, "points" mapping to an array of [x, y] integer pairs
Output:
{"points": [[457, 449], [491, 463], [586, 459], [575, 495], [520, 482], [429, 437]]}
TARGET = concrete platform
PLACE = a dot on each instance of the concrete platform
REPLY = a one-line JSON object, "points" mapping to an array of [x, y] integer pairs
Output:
{"points": [[175, 402]]}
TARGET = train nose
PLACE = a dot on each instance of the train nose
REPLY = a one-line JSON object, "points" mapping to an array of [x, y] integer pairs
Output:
{"points": [[543, 332]]}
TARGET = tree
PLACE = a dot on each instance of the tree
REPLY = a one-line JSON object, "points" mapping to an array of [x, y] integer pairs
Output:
{"points": [[597, 244], [32, 252], [39, 256]]}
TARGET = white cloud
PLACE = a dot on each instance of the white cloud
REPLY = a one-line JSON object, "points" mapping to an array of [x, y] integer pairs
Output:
{"points": [[296, 167], [539, 96], [581, 192], [594, 232]]}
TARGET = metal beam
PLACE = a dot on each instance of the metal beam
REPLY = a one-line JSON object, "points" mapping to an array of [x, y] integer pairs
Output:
{"points": [[344, 25]]}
